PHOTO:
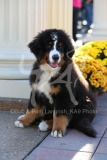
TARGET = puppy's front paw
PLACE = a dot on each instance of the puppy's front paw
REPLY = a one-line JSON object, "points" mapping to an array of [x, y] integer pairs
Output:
{"points": [[18, 123], [57, 133], [43, 126], [59, 125]]}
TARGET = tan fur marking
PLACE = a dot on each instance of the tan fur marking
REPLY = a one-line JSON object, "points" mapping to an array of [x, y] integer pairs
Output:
{"points": [[60, 44], [50, 43], [60, 123], [62, 60], [43, 60], [88, 99], [49, 123], [54, 90], [32, 115], [62, 55]]}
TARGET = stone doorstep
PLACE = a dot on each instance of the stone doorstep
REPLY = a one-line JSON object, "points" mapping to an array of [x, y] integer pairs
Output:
{"points": [[13, 104], [7, 104]]}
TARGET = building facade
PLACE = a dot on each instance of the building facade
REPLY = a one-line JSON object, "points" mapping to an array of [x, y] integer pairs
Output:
{"points": [[20, 21]]}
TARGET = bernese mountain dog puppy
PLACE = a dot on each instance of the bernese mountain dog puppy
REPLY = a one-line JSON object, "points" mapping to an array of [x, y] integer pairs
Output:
{"points": [[60, 97]]}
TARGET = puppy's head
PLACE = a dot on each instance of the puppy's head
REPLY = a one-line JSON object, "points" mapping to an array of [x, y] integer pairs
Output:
{"points": [[52, 47]]}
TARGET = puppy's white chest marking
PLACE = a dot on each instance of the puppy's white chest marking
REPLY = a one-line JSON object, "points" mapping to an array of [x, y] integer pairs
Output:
{"points": [[44, 85]]}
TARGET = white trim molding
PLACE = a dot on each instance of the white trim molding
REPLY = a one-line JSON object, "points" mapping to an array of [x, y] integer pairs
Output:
{"points": [[15, 64], [15, 89], [99, 31]]}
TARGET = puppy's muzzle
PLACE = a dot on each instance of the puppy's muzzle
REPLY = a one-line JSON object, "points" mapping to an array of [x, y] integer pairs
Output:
{"points": [[55, 57]]}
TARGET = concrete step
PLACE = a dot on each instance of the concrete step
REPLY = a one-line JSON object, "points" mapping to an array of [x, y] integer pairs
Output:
{"points": [[13, 104]]}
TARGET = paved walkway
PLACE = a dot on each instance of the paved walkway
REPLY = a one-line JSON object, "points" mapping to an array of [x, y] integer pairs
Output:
{"points": [[17, 143], [30, 144], [76, 145]]}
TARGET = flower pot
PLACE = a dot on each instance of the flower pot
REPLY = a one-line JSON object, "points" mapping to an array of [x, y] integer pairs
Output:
{"points": [[100, 93], [95, 94]]}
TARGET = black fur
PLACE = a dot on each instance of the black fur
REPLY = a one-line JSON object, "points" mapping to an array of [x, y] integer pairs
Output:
{"points": [[81, 115], [38, 45]]}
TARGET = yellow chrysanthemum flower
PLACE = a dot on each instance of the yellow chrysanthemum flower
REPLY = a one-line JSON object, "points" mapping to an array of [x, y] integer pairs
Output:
{"points": [[95, 49], [91, 59], [102, 84], [105, 52], [85, 75], [104, 62]]}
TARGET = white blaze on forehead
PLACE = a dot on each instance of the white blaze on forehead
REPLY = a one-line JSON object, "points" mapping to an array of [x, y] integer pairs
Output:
{"points": [[54, 47], [53, 52], [54, 36]]}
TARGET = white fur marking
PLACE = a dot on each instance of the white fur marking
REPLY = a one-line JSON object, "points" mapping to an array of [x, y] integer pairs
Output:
{"points": [[54, 51], [34, 86], [51, 133], [43, 85], [56, 134], [54, 36], [20, 117], [60, 135], [19, 124], [43, 126]]}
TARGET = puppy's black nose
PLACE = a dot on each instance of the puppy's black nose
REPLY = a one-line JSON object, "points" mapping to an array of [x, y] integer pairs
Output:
{"points": [[55, 57]]}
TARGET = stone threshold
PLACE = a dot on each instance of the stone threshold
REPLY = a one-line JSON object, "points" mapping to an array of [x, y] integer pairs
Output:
{"points": [[15, 105], [19, 104]]}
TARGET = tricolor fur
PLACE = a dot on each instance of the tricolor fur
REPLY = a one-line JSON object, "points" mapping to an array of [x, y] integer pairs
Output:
{"points": [[51, 99]]}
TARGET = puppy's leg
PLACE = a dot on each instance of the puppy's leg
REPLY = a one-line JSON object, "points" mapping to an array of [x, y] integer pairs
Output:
{"points": [[46, 125], [84, 126], [60, 123], [30, 116]]}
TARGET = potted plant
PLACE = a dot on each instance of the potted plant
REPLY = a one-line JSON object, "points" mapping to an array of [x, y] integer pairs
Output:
{"points": [[93, 71]]}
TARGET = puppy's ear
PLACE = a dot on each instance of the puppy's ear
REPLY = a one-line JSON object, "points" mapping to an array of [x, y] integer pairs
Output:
{"points": [[35, 47]]}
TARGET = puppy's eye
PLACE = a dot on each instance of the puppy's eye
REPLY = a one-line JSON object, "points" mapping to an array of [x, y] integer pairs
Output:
{"points": [[60, 45], [49, 44]]}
